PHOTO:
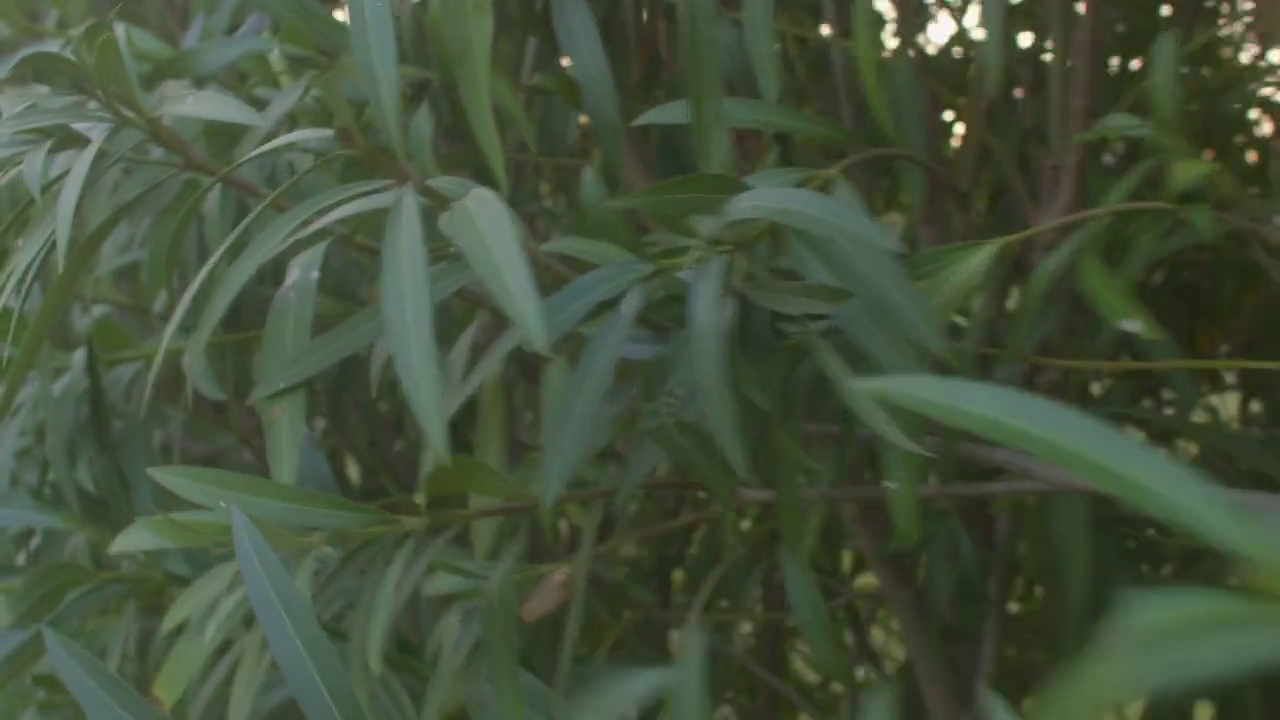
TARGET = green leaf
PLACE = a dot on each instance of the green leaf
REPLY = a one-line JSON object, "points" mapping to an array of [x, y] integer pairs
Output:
{"points": [[566, 308], [388, 598], [758, 37], [501, 644], [1165, 81], [881, 285], [468, 475], [187, 656], [1112, 298], [690, 696], [304, 654], [100, 693], [373, 45], [576, 412], [618, 693], [867, 52], [1159, 642], [589, 250], [750, 114], [69, 198], [484, 229], [578, 36], [684, 195], [172, 531], [709, 315], [262, 498], [287, 333], [408, 320], [462, 32], [199, 596], [18, 512], [209, 104], [265, 245], [208, 58], [349, 337], [813, 212], [251, 673], [1092, 450], [952, 274], [698, 33], [105, 51], [863, 407], [34, 169], [58, 295], [794, 298], [812, 619]]}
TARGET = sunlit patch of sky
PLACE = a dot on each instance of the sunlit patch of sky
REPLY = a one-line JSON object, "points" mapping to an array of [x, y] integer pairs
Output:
{"points": [[944, 26]]}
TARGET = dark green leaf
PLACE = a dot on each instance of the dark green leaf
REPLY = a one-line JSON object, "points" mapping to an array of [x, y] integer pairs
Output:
{"points": [[710, 316], [698, 31], [578, 35], [373, 46], [262, 498], [485, 229], [305, 656], [684, 195], [1093, 450], [1163, 641], [576, 412], [408, 320], [462, 31], [100, 693]]}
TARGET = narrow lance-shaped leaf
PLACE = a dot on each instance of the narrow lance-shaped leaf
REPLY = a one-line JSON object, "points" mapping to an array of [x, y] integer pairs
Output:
{"points": [[208, 104], [408, 320], [578, 35], [709, 333], [373, 45], [576, 411], [812, 212], [867, 55], [484, 228], [1167, 641], [283, 233], [619, 693], [282, 504], [304, 654], [462, 30], [758, 37], [69, 198], [811, 616], [349, 337], [690, 696], [271, 234], [59, 295], [100, 693], [700, 66], [1093, 450], [287, 333]]}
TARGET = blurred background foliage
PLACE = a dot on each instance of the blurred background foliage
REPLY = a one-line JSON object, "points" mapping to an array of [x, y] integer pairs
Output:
{"points": [[691, 359]]}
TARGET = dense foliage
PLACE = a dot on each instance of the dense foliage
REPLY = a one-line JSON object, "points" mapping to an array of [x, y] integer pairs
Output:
{"points": [[594, 359]]}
